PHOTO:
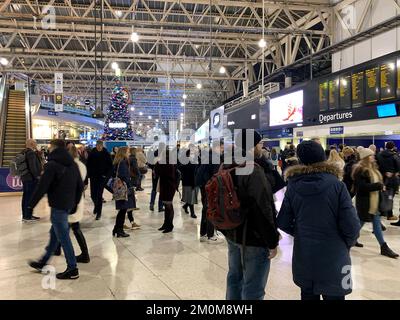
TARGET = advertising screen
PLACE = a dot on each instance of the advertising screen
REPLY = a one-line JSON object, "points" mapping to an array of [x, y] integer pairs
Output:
{"points": [[287, 109]]}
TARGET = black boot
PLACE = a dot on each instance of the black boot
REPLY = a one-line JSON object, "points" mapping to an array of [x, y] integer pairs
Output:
{"points": [[383, 227], [37, 265], [386, 251], [71, 274], [84, 256], [120, 234], [359, 245], [185, 207], [192, 214], [163, 227], [396, 224]]}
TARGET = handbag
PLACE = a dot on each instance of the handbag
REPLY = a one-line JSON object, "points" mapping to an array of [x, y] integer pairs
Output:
{"points": [[119, 187], [385, 201], [143, 170]]}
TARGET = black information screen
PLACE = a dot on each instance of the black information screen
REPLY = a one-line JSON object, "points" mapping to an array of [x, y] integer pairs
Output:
{"points": [[333, 94], [357, 88], [323, 96], [371, 85], [345, 93], [388, 78]]}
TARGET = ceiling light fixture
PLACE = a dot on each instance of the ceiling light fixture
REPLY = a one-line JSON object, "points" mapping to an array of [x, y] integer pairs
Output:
{"points": [[118, 13], [140, 113], [184, 97], [262, 43], [132, 108], [199, 86], [182, 104], [3, 61], [115, 66], [134, 37], [222, 70]]}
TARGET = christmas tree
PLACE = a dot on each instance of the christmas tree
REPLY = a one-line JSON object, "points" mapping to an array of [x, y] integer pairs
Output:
{"points": [[117, 125]]}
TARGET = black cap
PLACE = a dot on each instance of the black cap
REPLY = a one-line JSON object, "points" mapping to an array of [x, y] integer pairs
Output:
{"points": [[241, 139], [310, 152]]}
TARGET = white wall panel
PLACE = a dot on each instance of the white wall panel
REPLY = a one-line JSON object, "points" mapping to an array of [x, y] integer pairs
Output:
{"points": [[362, 52], [382, 10], [384, 43]]}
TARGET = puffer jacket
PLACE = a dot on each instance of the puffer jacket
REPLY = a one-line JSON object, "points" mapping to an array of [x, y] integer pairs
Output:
{"points": [[317, 211]]}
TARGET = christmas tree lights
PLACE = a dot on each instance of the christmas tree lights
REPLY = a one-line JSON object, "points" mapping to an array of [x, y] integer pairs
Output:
{"points": [[118, 120]]}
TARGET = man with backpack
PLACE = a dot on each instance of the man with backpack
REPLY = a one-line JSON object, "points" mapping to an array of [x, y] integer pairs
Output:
{"points": [[29, 167], [62, 183], [244, 211]]}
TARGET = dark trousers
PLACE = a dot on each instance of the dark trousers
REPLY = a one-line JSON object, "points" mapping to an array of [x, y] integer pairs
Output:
{"points": [[28, 189], [130, 216], [80, 238], [59, 233], [119, 221], [206, 227], [169, 215], [307, 294], [154, 182], [96, 193]]}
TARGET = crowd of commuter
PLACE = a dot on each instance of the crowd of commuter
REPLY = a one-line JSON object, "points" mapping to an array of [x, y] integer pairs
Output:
{"points": [[318, 210]]}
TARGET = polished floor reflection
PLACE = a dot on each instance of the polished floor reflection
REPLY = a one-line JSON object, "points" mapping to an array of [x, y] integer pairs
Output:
{"points": [[152, 265]]}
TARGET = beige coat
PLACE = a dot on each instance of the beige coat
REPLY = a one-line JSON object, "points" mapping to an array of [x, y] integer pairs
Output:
{"points": [[141, 159], [78, 215]]}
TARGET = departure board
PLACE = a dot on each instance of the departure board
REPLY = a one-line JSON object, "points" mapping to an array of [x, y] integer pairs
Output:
{"points": [[333, 94], [323, 96], [388, 78], [371, 85], [345, 93], [357, 87]]}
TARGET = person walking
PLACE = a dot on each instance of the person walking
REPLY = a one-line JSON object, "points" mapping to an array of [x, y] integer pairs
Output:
{"points": [[121, 170], [189, 189], [368, 183], [30, 179], [62, 182], [74, 219], [155, 179], [317, 211], [253, 244], [350, 159], [99, 167], [274, 159], [168, 183], [204, 173], [336, 159], [142, 164], [134, 177], [389, 166]]}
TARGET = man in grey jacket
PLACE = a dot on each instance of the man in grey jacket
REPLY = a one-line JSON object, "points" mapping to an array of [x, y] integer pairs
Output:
{"points": [[31, 178]]}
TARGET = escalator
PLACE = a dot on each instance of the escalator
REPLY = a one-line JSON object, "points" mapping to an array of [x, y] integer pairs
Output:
{"points": [[14, 124]]}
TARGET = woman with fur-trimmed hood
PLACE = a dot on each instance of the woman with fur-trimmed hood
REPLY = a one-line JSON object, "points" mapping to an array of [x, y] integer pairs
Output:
{"points": [[317, 211]]}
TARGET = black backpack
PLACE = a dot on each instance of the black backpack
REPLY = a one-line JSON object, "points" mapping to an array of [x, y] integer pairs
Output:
{"points": [[19, 165]]}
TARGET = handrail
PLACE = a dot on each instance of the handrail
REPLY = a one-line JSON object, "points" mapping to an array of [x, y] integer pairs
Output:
{"points": [[28, 111], [3, 113]]}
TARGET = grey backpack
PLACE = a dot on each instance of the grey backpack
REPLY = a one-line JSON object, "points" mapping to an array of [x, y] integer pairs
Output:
{"points": [[19, 165]]}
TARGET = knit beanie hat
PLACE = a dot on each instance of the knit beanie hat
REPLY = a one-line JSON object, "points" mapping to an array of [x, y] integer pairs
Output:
{"points": [[310, 152], [365, 152]]}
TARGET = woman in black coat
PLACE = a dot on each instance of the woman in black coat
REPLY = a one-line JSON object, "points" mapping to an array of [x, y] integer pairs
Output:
{"points": [[317, 211], [168, 185], [121, 170], [134, 178], [189, 189], [350, 159], [368, 183]]}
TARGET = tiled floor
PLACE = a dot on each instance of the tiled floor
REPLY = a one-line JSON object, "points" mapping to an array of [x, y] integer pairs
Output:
{"points": [[151, 265]]}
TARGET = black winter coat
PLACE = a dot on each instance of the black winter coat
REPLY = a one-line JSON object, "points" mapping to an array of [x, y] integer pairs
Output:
{"points": [[363, 188], [61, 181], [347, 174], [188, 172], [168, 181], [99, 164], [257, 205], [388, 161], [34, 165], [317, 211]]}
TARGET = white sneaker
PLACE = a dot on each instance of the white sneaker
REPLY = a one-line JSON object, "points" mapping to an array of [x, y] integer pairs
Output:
{"points": [[203, 238], [214, 240]]}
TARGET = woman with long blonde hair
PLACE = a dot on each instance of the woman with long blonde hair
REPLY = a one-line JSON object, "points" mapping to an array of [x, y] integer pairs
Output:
{"points": [[368, 183], [121, 170], [336, 159]]}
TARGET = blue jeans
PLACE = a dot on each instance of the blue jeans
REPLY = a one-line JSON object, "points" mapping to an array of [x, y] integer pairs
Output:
{"points": [[59, 233], [247, 283], [154, 194], [28, 189], [376, 225]]}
